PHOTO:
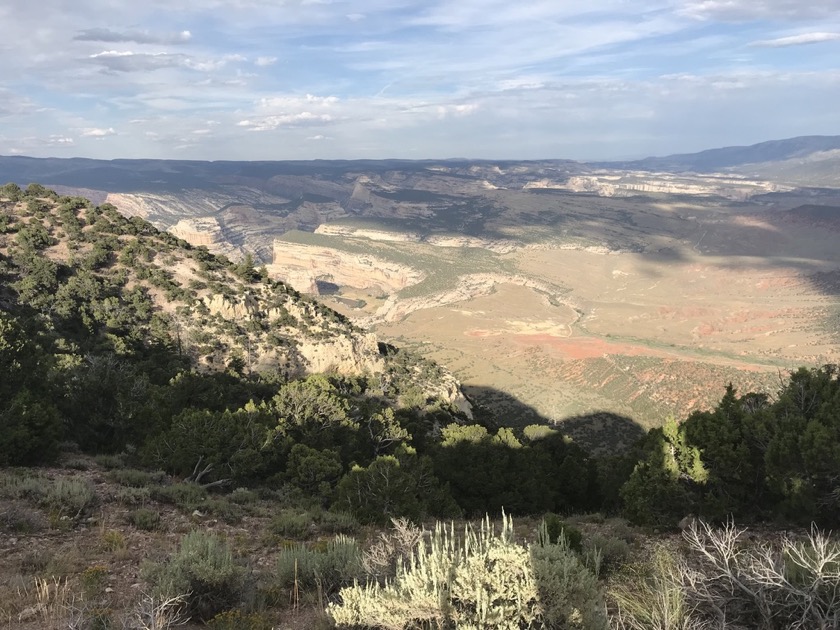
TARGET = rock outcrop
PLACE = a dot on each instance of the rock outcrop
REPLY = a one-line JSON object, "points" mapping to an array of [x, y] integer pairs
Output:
{"points": [[631, 183], [353, 354], [199, 231], [347, 231], [312, 343], [302, 265]]}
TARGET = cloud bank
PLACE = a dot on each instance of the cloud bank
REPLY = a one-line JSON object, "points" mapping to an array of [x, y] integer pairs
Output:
{"points": [[258, 79]]}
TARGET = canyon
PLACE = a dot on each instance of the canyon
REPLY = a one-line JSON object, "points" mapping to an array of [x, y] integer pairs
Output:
{"points": [[552, 289]]}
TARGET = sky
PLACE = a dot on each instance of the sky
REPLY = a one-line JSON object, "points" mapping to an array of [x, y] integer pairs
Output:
{"points": [[347, 79]]}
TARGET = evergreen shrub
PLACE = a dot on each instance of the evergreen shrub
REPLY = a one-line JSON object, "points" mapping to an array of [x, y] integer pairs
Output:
{"points": [[204, 570]]}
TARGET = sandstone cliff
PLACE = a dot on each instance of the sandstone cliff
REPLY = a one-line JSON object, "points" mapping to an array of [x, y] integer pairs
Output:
{"points": [[302, 265], [612, 184]]}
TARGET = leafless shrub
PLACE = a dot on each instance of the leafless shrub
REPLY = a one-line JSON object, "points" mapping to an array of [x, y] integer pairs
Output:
{"points": [[157, 613], [398, 544], [728, 583], [793, 585]]}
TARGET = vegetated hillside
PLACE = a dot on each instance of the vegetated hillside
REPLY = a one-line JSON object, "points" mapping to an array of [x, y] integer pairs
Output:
{"points": [[104, 282], [820, 169], [120, 338]]}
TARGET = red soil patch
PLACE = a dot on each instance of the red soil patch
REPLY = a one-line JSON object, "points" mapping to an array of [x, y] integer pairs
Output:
{"points": [[481, 333]]}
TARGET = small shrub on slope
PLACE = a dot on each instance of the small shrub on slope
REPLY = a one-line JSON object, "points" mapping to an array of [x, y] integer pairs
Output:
{"points": [[338, 564], [69, 497], [203, 567]]}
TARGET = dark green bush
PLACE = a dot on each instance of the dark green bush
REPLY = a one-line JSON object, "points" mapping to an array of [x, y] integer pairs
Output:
{"points": [[137, 478], [143, 518], [553, 529], [336, 522], [110, 462], [230, 441], [31, 430], [237, 620], [243, 496], [186, 496], [291, 524], [228, 511]]}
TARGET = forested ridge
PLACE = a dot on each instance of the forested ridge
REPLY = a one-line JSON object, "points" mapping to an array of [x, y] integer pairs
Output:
{"points": [[107, 345]]}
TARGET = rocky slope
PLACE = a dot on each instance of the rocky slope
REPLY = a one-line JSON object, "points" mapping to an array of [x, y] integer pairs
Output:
{"points": [[218, 313]]}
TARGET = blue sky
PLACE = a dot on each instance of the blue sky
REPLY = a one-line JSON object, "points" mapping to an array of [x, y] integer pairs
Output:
{"points": [[304, 79]]}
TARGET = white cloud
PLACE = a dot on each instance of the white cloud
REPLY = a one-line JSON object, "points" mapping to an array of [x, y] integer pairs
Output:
{"points": [[265, 61], [463, 109], [97, 132], [293, 101], [797, 40], [269, 123], [59, 140], [114, 53]]}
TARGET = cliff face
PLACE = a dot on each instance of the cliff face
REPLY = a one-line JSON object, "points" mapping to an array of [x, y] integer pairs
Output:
{"points": [[353, 354], [302, 265], [310, 341], [198, 232]]}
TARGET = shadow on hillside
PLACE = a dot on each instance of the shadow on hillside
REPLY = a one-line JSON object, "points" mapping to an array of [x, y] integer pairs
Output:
{"points": [[600, 432], [603, 432]]}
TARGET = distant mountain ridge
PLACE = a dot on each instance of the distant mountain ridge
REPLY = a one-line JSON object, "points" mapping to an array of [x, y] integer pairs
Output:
{"points": [[780, 157], [727, 157], [131, 175]]}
